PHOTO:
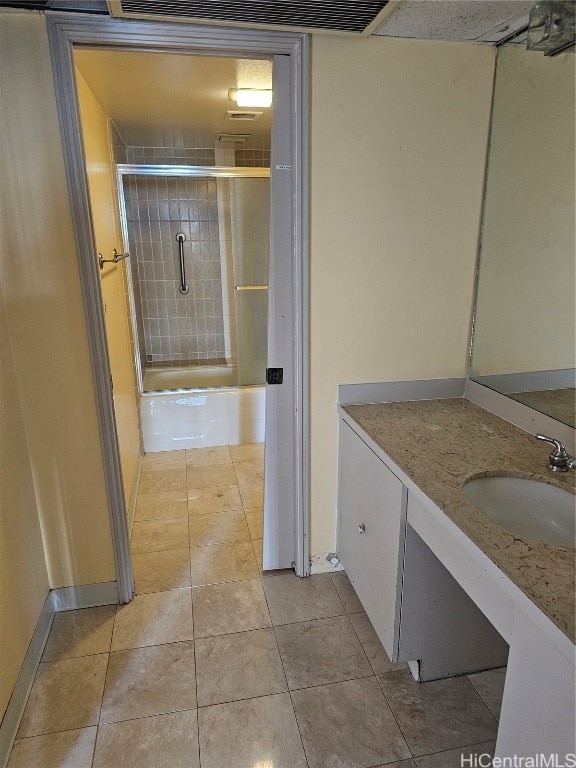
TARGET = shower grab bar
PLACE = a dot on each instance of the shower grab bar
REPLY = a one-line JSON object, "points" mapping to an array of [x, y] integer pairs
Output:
{"points": [[251, 287], [180, 237], [114, 260]]}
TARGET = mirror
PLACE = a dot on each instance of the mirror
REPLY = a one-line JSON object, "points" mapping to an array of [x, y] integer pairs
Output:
{"points": [[524, 342]]}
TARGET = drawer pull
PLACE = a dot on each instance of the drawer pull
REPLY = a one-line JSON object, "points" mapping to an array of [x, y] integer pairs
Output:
{"points": [[361, 528]]}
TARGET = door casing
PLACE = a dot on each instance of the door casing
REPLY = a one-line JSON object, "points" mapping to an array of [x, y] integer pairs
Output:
{"points": [[66, 30]]}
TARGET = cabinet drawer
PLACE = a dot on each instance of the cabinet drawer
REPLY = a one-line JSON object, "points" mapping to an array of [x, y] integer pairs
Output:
{"points": [[372, 512]]}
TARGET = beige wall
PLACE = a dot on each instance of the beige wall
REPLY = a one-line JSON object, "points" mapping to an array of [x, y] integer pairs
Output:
{"points": [[526, 282], [39, 275], [23, 576], [399, 132], [103, 197]]}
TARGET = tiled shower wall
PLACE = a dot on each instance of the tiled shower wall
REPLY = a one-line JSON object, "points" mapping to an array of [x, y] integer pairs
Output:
{"points": [[176, 328], [170, 155], [254, 158]]}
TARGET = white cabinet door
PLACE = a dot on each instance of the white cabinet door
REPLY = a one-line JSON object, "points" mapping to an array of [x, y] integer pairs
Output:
{"points": [[372, 528]]}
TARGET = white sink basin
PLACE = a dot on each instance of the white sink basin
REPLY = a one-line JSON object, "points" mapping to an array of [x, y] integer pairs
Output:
{"points": [[526, 508]]}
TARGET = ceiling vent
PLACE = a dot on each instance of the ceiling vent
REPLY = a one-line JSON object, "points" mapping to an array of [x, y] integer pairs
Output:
{"points": [[234, 114], [233, 138], [350, 16]]}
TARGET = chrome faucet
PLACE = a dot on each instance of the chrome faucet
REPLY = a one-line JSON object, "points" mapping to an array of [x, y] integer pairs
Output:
{"points": [[559, 459]]}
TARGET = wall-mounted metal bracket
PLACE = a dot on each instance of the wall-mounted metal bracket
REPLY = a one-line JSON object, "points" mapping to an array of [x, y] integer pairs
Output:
{"points": [[114, 260]]}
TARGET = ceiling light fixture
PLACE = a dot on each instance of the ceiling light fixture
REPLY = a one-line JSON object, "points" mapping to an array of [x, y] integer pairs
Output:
{"points": [[250, 97]]}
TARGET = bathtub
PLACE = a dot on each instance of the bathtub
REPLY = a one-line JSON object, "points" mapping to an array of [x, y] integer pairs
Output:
{"points": [[201, 409]]}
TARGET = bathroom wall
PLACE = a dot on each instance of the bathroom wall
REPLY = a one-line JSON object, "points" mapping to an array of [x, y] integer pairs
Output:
{"points": [[170, 155], [40, 282], [399, 132], [23, 576], [527, 270], [99, 149]]}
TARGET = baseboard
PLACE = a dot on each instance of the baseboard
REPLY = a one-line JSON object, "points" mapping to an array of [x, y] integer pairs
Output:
{"points": [[64, 599], [17, 703], [84, 596], [325, 562]]}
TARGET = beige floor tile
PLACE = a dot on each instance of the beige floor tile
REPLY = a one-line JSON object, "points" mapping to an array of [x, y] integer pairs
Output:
{"points": [[250, 472], [373, 648], [163, 460], [210, 477], [161, 571], [456, 758], [69, 749], [161, 617], [232, 607], [239, 666], [222, 562], [154, 506], [252, 495], [401, 764], [257, 544], [350, 599], [158, 535], [293, 599], [255, 522], [65, 695], [164, 741], [490, 686], [208, 457], [348, 724], [254, 732], [163, 480], [149, 681], [80, 633], [440, 715], [218, 528], [205, 501], [247, 452], [320, 652]]}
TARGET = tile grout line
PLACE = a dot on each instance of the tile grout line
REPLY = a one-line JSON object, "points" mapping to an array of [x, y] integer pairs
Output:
{"points": [[393, 713], [195, 678], [285, 676]]}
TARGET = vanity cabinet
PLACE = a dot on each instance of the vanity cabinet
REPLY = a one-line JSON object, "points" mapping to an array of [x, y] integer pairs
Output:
{"points": [[372, 529], [419, 611]]}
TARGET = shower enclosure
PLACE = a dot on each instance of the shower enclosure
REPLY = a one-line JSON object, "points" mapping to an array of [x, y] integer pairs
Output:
{"points": [[199, 241]]}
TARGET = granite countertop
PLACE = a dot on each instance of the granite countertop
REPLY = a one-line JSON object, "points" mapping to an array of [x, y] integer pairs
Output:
{"points": [[440, 444]]}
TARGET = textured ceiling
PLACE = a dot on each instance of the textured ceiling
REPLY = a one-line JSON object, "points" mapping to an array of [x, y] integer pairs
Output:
{"points": [[452, 19], [158, 98]]}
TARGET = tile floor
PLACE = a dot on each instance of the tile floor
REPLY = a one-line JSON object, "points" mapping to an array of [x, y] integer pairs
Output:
{"points": [[216, 665]]}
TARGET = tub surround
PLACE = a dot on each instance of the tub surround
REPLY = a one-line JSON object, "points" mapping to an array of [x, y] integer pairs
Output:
{"points": [[202, 418], [440, 444]]}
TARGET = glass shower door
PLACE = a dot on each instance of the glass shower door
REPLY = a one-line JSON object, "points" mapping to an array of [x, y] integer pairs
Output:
{"points": [[250, 247]]}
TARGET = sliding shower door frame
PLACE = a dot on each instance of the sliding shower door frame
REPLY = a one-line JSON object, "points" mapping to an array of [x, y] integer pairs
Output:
{"points": [[68, 30], [170, 171]]}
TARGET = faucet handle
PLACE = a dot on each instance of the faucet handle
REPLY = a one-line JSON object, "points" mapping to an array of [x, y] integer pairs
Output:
{"points": [[560, 451], [560, 460]]}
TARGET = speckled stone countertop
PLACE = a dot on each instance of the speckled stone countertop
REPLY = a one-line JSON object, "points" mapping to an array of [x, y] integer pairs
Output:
{"points": [[441, 444]]}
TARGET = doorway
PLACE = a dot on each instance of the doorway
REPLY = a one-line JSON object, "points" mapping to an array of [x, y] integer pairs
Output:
{"points": [[286, 494]]}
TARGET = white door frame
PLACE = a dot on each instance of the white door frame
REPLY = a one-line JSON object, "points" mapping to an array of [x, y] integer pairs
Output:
{"points": [[66, 30]]}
